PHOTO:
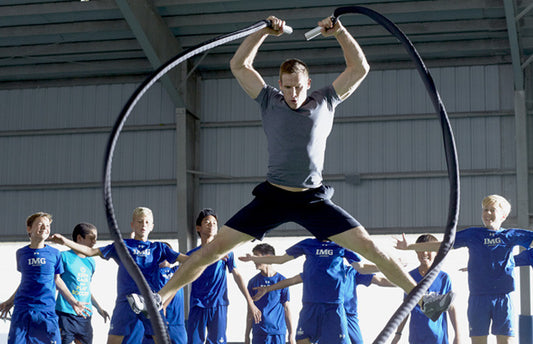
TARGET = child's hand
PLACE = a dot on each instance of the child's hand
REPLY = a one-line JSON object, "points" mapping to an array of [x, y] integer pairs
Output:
{"points": [[401, 243], [104, 315], [81, 309], [57, 238], [247, 258], [5, 307]]}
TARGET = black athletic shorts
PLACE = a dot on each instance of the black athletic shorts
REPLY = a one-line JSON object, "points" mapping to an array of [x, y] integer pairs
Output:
{"points": [[273, 206]]}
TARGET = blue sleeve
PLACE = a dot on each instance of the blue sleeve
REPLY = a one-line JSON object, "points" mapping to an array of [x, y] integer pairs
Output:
{"points": [[523, 258], [230, 262], [364, 279], [285, 295], [169, 254], [523, 237], [351, 256], [461, 238], [295, 250], [59, 264], [108, 251]]}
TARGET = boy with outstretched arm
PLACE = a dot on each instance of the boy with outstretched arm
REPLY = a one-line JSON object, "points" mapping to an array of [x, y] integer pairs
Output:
{"points": [[490, 270], [34, 319], [146, 254]]}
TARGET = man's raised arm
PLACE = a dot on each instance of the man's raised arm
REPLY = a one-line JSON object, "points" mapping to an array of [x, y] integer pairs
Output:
{"points": [[356, 65], [242, 62]]}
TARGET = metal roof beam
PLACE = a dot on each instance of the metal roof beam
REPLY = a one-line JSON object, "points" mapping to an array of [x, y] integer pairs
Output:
{"points": [[157, 42]]}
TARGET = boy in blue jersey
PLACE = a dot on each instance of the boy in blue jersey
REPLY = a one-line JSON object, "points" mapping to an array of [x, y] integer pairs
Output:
{"points": [[209, 293], [147, 255], [323, 317], [34, 319], [490, 270], [77, 275], [297, 126], [276, 315], [421, 329]]}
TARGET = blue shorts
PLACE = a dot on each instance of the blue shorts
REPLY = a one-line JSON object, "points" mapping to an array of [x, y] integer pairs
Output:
{"points": [[273, 206], [323, 322], [214, 319], [33, 326], [124, 320], [354, 331], [264, 338], [498, 308], [75, 327]]}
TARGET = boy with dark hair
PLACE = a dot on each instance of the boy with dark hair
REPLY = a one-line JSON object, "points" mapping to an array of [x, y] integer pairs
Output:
{"points": [[34, 319], [209, 293], [77, 275], [276, 316], [422, 329]]}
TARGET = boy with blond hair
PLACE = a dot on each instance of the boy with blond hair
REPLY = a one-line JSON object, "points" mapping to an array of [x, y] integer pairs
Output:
{"points": [[34, 319], [490, 270], [147, 255]]}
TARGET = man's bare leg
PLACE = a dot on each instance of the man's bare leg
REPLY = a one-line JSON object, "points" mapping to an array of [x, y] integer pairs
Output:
{"points": [[358, 240], [226, 239]]}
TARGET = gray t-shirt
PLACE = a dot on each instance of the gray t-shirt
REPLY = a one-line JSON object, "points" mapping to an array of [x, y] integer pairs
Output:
{"points": [[297, 138]]}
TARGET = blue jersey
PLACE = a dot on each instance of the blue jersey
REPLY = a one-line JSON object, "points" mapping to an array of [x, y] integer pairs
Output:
{"points": [[77, 275], [324, 271], [421, 328], [174, 313], [490, 263], [271, 305], [353, 279], [147, 255], [211, 288], [38, 268], [524, 258]]}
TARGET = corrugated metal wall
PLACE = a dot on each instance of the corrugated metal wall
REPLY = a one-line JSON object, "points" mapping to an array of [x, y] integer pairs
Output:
{"points": [[385, 155], [52, 149]]}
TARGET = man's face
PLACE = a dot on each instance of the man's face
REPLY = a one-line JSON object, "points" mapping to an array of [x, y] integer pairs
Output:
{"points": [[142, 225], [89, 240], [492, 216], [40, 228], [208, 227], [294, 87]]}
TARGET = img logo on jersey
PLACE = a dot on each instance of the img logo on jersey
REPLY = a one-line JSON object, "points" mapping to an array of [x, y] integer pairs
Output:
{"points": [[36, 261], [492, 241], [324, 252]]}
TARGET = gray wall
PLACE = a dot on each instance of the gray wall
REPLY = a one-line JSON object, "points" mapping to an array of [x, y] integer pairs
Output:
{"points": [[385, 156], [53, 142]]}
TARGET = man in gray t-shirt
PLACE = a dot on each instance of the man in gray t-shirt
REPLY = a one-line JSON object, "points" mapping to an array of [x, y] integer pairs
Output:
{"points": [[296, 126]]}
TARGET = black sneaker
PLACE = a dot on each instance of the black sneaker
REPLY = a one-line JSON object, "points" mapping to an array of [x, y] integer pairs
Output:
{"points": [[433, 305], [138, 305]]}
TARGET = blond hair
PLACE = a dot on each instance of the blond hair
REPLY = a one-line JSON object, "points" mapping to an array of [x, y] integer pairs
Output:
{"points": [[32, 217], [142, 211], [499, 201]]}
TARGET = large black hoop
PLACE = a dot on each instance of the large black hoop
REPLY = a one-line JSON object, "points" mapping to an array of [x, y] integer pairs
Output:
{"points": [[448, 140]]}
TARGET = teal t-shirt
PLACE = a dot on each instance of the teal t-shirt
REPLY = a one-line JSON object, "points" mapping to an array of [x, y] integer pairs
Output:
{"points": [[77, 275]]}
